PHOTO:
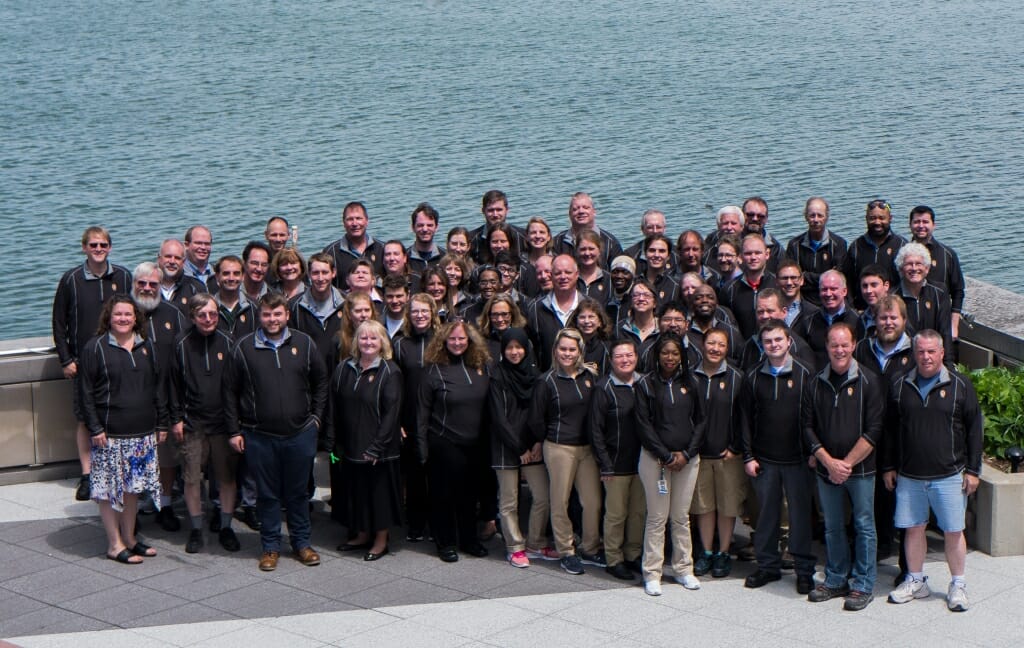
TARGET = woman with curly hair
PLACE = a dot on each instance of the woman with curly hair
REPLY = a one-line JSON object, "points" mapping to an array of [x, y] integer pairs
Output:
{"points": [[457, 273], [125, 411], [449, 422], [499, 314], [410, 350]]}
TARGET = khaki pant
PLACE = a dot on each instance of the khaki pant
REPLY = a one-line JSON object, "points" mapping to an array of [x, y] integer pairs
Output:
{"points": [[673, 507], [567, 466], [536, 476], [624, 512]]}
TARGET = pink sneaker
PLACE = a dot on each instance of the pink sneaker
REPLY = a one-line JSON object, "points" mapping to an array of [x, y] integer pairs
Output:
{"points": [[519, 559], [547, 553]]}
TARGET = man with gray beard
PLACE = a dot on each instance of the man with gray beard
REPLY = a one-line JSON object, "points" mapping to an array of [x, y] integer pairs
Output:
{"points": [[163, 323]]}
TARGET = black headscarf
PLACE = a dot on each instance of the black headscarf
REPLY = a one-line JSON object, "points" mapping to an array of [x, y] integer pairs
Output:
{"points": [[519, 378]]}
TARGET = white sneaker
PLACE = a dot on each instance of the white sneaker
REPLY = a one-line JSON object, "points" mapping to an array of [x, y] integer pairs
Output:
{"points": [[909, 590], [652, 588], [689, 581], [956, 597]]}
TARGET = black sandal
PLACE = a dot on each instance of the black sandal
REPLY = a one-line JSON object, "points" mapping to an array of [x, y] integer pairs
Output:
{"points": [[142, 549], [125, 558]]}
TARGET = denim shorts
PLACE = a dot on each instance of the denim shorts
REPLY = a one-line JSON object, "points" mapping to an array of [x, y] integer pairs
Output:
{"points": [[945, 496]]}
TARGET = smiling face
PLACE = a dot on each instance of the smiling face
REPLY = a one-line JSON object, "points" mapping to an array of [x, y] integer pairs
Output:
{"points": [[922, 226], [290, 271], [642, 299], [756, 214], [454, 274], [458, 245], [727, 258], [705, 302], [832, 291], [588, 322], [730, 223], [672, 321], [273, 320], [669, 358], [914, 271], [97, 248], [122, 319], [755, 254], [879, 221], [543, 269], [873, 288], [419, 316], [623, 361], [839, 346], [657, 255], [890, 325], [582, 212], [199, 246], [395, 300], [776, 344], [790, 280], [369, 344], [498, 241], [205, 319], [538, 236], [768, 308], [436, 288], [321, 276], [567, 354], [355, 221], [588, 253], [716, 346], [500, 316], [257, 265], [277, 235], [424, 228], [171, 260], [564, 274], [229, 276], [458, 341], [146, 291], [489, 282], [514, 352]]}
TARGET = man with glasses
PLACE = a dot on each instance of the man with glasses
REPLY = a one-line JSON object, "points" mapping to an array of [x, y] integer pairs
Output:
{"points": [[198, 246], [163, 324], [77, 304], [518, 280], [755, 213], [817, 249], [878, 246], [256, 259], [790, 281]]}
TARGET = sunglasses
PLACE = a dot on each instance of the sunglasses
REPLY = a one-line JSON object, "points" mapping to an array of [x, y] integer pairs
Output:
{"points": [[100, 245], [884, 204]]}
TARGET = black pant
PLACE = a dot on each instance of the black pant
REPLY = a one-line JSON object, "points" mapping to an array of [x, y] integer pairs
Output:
{"points": [[450, 472], [414, 481], [796, 481]]}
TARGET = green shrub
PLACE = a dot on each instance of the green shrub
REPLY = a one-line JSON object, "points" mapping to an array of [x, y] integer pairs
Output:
{"points": [[1001, 396]]}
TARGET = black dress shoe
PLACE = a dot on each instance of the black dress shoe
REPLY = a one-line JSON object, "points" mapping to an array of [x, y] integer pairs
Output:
{"points": [[634, 566], [168, 520], [228, 539], [475, 550], [215, 520], [83, 492], [348, 546], [761, 578], [195, 541], [804, 584], [448, 555], [620, 571], [249, 518], [370, 556]]}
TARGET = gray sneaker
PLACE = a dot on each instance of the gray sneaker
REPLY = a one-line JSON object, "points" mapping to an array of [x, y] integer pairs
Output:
{"points": [[909, 590], [956, 598]]}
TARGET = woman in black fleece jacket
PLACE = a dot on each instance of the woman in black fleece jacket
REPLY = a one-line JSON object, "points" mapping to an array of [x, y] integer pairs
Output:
{"points": [[453, 401]]}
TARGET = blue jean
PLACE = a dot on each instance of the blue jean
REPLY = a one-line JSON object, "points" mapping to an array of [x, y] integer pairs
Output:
{"points": [[861, 492], [281, 466]]}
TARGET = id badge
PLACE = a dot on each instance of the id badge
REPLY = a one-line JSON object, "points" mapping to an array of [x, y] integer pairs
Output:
{"points": [[662, 483]]}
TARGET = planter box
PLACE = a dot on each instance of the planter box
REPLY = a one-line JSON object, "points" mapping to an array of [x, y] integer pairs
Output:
{"points": [[996, 513]]}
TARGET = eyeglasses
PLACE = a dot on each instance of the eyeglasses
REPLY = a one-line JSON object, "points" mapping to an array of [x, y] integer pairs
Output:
{"points": [[507, 271], [204, 316], [884, 204], [501, 315], [147, 284], [787, 278], [642, 296], [102, 245], [488, 282], [755, 215]]}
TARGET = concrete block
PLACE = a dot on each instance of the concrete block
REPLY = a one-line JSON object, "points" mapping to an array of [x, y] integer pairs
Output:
{"points": [[17, 447], [54, 421], [997, 527]]}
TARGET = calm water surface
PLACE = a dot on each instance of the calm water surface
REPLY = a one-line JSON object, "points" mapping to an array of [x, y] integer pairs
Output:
{"points": [[150, 116]]}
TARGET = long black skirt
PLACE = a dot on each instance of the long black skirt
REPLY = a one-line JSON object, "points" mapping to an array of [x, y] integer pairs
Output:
{"points": [[373, 496]]}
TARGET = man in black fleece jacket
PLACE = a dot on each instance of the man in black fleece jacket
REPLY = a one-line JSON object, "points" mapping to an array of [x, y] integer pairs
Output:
{"points": [[275, 390]]}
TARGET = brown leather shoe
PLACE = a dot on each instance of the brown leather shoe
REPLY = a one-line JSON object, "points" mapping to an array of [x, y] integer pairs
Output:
{"points": [[268, 562], [308, 557]]}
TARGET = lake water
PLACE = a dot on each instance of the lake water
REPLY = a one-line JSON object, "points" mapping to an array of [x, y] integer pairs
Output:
{"points": [[151, 116]]}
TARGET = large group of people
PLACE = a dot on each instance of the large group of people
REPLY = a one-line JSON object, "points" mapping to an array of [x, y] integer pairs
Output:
{"points": [[707, 377]]}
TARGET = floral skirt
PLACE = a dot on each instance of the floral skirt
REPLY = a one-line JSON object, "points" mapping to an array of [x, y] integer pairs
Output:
{"points": [[125, 465]]}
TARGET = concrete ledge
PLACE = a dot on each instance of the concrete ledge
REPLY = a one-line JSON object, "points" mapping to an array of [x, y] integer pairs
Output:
{"points": [[996, 523]]}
